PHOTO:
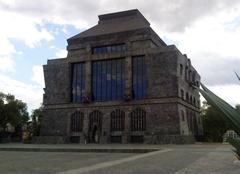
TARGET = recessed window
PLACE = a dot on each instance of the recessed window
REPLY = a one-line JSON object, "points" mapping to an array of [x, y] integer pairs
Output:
{"points": [[187, 97], [117, 120], [189, 75], [78, 82], [139, 77], [182, 94], [186, 73], [138, 120], [181, 69], [77, 121], [109, 49], [193, 76], [182, 115]]}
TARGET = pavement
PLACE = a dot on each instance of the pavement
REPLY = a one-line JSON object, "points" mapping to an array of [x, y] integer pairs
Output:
{"points": [[164, 159]]}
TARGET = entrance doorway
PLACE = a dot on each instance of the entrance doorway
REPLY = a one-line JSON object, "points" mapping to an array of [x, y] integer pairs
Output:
{"points": [[95, 135], [95, 126]]}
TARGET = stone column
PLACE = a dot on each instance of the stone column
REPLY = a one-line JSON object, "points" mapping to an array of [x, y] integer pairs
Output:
{"points": [[84, 134], [88, 85], [127, 129], [128, 78]]}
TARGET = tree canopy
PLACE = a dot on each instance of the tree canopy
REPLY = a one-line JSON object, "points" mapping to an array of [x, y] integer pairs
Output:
{"points": [[214, 123], [12, 111], [36, 120]]}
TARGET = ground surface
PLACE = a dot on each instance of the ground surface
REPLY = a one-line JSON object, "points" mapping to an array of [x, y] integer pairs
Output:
{"points": [[170, 159]]}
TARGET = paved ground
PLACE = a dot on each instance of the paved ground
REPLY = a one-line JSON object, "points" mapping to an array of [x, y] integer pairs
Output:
{"points": [[170, 159]]}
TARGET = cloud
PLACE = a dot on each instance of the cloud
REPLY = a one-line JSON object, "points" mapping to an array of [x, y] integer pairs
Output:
{"points": [[26, 29], [212, 45], [7, 64], [173, 15], [19, 27], [229, 93], [31, 94], [37, 76], [218, 70]]}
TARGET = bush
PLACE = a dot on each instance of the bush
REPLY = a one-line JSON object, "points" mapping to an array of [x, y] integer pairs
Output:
{"points": [[236, 144]]}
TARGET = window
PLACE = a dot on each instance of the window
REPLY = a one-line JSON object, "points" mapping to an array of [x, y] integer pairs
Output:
{"points": [[181, 69], [95, 120], [197, 84], [194, 101], [198, 104], [191, 99], [138, 120], [77, 121], [78, 82], [182, 94], [139, 77], [187, 97], [191, 119], [193, 76], [182, 115], [109, 49], [188, 120], [190, 75], [186, 73], [117, 120], [108, 80]]}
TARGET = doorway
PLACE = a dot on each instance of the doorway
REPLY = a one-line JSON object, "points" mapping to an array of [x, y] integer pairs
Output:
{"points": [[95, 134], [95, 126]]}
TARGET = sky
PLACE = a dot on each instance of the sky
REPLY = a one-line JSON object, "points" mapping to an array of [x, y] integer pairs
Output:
{"points": [[31, 32]]}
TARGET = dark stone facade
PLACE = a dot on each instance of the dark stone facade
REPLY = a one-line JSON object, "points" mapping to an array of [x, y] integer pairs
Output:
{"points": [[172, 101]]}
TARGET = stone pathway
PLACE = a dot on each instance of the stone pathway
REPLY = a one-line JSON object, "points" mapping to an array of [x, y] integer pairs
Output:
{"points": [[220, 161], [168, 159]]}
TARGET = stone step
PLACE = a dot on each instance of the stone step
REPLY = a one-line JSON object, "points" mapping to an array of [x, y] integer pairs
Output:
{"points": [[81, 150]]}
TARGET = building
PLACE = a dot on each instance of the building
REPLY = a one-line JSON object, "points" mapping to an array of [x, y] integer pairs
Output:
{"points": [[120, 83]]}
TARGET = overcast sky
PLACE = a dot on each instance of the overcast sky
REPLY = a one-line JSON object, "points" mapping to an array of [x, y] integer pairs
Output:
{"points": [[32, 31]]}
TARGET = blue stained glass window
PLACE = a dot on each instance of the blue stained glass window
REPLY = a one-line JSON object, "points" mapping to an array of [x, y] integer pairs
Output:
{"points": [[78, 82], [139, 77], [108, 80], [109, 48]]}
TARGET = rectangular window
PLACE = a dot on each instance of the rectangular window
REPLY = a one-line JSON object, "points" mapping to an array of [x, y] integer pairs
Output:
{"points": [[78, 82], [182, 94], [109, 49], [139, 77], [186, 73], [108, 80], [181, 69]]}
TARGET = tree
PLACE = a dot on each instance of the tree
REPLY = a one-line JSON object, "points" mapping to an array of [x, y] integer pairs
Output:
{"points": [[36, 120], [214, 123], [12, 111]]}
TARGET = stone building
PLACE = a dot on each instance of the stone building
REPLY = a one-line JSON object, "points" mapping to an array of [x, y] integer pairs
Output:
{"points": [[120, 83]]}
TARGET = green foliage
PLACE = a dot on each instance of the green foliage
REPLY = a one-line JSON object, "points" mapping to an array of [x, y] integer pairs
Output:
{"points": [[214, 123], [36, 121], [236, 144], [12, 111]]}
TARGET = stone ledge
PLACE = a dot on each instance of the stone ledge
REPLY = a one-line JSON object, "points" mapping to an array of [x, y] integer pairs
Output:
{"points": [[48, 140], [79, 150]]}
